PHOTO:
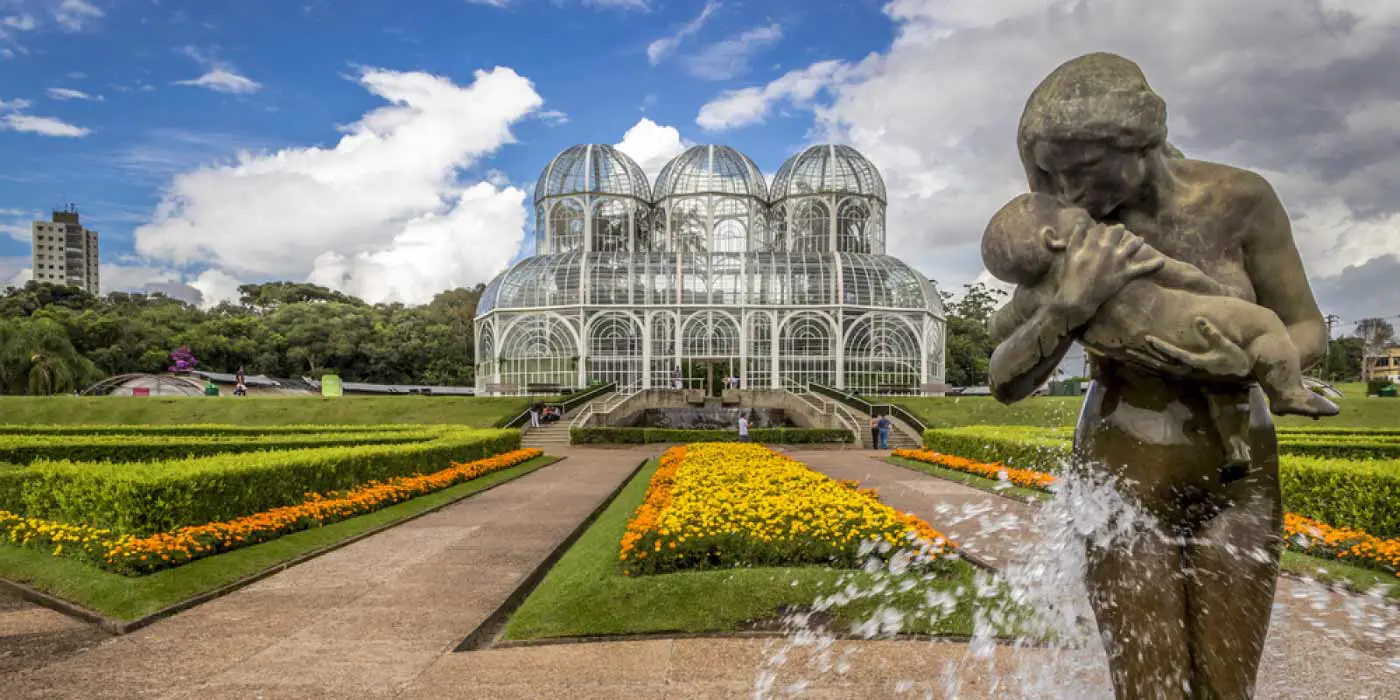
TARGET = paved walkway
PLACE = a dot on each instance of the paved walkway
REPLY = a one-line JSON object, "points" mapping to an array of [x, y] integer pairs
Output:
{"points": [[379, 618], [360, 622]]}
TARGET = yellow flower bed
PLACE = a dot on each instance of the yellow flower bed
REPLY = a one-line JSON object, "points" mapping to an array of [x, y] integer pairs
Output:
{"points": [[131, 555], [721, 505]]}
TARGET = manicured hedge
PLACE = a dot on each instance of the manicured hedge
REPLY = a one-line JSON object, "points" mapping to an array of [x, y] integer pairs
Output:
{"points": [[642, 436], [1357, 493], [148, 448], [149, 497], [209, 430]]}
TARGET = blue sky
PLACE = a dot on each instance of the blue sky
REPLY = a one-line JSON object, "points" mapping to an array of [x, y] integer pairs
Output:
{"points": [[389, 148], [145, 121]]}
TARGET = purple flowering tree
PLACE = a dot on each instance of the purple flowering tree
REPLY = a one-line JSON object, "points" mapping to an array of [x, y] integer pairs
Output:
{"points": [[183, 359]]}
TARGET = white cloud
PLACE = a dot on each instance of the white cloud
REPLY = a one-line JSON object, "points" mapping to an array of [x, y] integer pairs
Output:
{"points": [[129, 277], [652, 145], [71, 94], [620, 4], [73, 15], [14, 271], [730, 58], [1302, 92], [19, 232], [15, 104], [215, 287], [223, 79], [663, 47], [553, 117], [382, 213], [20, 22], [48, 126], [751, 105], [492, 3]]}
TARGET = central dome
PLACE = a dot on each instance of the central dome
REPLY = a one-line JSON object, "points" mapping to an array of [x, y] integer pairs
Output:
{"points": [[710, 169]]}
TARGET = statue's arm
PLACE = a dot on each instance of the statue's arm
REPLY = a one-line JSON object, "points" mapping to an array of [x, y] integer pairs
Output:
{"points": [[1032, 338], [1276, 271], [1176, 274]]}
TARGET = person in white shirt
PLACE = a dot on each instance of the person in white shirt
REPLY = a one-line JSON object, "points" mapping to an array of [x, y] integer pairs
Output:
{"points": [[743, 428]]}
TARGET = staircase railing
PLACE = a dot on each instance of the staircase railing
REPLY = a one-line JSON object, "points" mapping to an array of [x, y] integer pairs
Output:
{"points": [[822, 404], [573, 400], [872, 409], [605, 406]]}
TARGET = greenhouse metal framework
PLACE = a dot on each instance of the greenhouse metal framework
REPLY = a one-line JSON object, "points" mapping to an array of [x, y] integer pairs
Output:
{"points": [[779, 286]]}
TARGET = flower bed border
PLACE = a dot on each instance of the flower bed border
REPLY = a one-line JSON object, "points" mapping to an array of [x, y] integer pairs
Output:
{"points": [[1321, 540], [121, 627]]}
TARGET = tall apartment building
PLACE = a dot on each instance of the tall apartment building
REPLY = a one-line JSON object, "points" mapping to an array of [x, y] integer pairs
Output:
{"points": [[65, 252]]}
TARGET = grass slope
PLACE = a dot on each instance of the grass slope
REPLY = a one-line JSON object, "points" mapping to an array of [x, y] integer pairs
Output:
{"points": [[586, 595], [130, 598], [476, 412], [1358, 411]]}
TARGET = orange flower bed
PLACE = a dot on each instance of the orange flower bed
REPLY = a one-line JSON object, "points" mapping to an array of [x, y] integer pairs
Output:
{"points": [[996, 471], [1301, 534], [140, 555], [1320, 539]]}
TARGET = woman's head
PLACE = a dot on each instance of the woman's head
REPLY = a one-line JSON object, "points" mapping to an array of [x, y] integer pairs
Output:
{"points": [[1091, 132]]}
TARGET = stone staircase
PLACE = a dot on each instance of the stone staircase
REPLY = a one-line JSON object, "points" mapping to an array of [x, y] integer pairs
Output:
{"points": [[550, 437]]}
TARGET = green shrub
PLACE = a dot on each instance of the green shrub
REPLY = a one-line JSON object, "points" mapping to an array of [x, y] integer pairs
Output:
{"points": [[149, 448], [147, 497], [603, 435], [1318, 481], [204, 430]]}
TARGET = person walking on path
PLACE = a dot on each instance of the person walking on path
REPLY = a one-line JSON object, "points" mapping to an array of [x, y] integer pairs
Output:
{"points": [[884, 428], [874, 433], [743, 428]]}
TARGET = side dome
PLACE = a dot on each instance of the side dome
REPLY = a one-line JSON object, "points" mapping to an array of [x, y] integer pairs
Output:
{"points": [[881, 281], [592, 168], [710, 169], [828, 169]]}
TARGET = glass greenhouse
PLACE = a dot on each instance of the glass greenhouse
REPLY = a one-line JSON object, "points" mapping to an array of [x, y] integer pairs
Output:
{"points": [[710, 272]]}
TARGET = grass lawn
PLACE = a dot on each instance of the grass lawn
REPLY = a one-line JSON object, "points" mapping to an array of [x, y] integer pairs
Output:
{"points": [[586, 595], [476, 412], [1349, 576], [1358, 411], [128, 598]]}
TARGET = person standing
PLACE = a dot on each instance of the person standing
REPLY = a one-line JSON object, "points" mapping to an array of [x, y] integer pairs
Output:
{"points": [[534, 415], [743, 428], [874, 433], [883, 426]]}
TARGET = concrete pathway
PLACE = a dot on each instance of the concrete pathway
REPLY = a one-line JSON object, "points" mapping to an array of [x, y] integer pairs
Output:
{"points": [[378, 619], [360, 622]]}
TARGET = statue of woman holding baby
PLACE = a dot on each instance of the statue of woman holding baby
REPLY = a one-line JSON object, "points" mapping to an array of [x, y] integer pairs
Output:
{"points": [[1183, 614]]}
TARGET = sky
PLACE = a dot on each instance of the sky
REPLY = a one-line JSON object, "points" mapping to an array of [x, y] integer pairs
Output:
{"points": [[390, 149]]}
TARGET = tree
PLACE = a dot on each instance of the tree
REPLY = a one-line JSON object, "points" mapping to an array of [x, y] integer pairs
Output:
{"points": [[1375, 334], [969, 344], [37, 358]]}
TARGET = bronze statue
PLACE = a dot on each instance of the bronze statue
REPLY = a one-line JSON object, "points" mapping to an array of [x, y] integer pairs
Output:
{"points": [[1174, 414]]}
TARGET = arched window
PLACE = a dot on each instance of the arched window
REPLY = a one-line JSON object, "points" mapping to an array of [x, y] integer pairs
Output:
{"points": [[485, 355], [882, 354], [811, 225], [807, 350], [852, 220], [612, 229], [540, 348], [710, 334], [566, 226], [665, 361], [615, 349]]}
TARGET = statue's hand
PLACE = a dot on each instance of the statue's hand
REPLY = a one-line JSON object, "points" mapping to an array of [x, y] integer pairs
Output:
{"points": [[1100, 261], [1222, 359]]}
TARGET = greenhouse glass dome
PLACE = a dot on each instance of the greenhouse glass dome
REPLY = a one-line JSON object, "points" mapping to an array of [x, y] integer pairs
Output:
{"points": [[710, 269]]}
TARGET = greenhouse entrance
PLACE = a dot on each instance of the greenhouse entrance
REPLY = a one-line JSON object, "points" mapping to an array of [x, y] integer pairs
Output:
{"points": [[709, 373]]}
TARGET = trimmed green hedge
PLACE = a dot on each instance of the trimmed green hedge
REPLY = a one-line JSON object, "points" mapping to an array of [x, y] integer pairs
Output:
{"points": [[149, 448], [149, 497], [1358, 493], [641, 436], [203, 430]]}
